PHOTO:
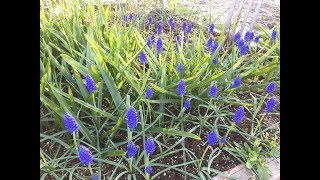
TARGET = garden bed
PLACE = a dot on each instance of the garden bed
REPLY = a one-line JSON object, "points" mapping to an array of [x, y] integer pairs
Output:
{"points": [[105, 84]]}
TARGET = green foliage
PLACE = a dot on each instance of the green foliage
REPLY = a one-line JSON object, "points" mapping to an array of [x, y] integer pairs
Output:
{"points": [[77, 39]]}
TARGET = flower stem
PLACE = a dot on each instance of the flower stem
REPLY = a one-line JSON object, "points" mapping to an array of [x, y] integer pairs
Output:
{"points": [[147, 164], [201, 122], [205, 151], [130, 159], [90, 169], [259, 123], [75, 141], [231, 127]]}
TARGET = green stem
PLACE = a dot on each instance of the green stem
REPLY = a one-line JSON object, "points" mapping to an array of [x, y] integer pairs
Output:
{"points": [[147, 164], [90, 169], [204, 153], [131, 159], [231, 127], [259, 123], [94, 112], [201, 122], [75, 141]]}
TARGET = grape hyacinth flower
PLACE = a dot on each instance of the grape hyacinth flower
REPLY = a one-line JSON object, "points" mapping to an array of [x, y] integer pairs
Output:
{"points": [[238, 115], [131, 16], [243, 50], [215, 60], [214, 47], [150, 20], [187, 103], [185, 37], [248, 36], [149, 146], [256, 39], [212, 138], [159, 46], [274, 35], [149, 169], [223, 139], [190, 28], [211, 28], [90, 84], [70, 123], [149, 42], [132, 149], [184, 26], [153, 38], [143, 57], [85, 155], [213, 91], [237, 82], [181, 88], [180, 68], [270, 104], [132, 118], [95, 177], [236, 37], [240, 43], [160, 28], [149, 93], [271, 87], [210, 44], [125, 18], [171, 23]]}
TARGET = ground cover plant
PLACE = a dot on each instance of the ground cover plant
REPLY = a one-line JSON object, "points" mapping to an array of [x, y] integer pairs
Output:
{"points": [[134, 95]]}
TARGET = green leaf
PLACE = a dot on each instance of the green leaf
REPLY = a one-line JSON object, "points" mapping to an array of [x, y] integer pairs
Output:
{"points": [[174, 132], [113, 153]]}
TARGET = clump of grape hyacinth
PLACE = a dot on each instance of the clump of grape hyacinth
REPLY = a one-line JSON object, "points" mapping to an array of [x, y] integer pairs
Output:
{"points": [[190, 28], [236, 37], [243, 50], [256, 39], [160, 28], [213, 91], [187, 103], [149, 42], [181, 88], [90, 84], [70, 123], [274, 35], [248, 36], [132, 118], [143, 57], [237, 82], [215, 60], [149, 146], [131, 16], [180, 68], [149, 93], [150, 20], [271, 87], [210, 44], [132, 149], [85, 155], [238, 115], [212, 138], [211, 28], [95, 177], [153, 38], [159, 46], [171, 23], [214, 47], [149, 169], [223, 139], [270, 104], [240, 43], [184, 26]]}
